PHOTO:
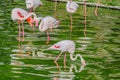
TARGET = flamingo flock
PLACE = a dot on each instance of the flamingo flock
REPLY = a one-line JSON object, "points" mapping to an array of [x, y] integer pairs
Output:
{"points": [[45, 24]]}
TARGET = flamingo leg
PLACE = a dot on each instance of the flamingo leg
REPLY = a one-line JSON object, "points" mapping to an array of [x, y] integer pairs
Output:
{"points": [[71, 22], [51, 27], [65, 61], [23, 33], [57, 59], [85, 18], [19, 32], [48, 37]]}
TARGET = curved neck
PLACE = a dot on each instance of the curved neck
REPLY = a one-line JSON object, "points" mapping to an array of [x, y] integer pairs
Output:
{"points": [[69, 5], [39, 18], [74, 58], [30, 14]]}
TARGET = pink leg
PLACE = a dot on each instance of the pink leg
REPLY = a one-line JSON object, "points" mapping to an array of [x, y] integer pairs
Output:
{"points": [[57, 59], [51, 29], [23, 31], [48, 37], [71, 22], [19, 31], [65, 61], [85, 18]]}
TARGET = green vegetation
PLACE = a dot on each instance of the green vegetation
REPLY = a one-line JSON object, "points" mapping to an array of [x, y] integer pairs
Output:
{"points": [[101, 53]]}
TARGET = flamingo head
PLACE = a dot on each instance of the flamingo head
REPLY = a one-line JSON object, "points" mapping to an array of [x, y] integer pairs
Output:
{"points": [[54, 47], [57, 23], [37, 20], [29, 4], [30, 20]]}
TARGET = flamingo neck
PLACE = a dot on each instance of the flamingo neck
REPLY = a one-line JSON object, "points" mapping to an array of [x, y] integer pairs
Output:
{"points": [[41, 25], [69, 4], [74, 58], [38, 20]]}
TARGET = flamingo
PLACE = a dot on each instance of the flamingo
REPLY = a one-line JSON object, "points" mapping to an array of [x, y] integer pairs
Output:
{"points": [[33, 4], [66, 46], [47, 23], [71, 7], [20, 15]]}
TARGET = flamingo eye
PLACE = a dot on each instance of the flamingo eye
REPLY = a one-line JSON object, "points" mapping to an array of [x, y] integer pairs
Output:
{"points": [[57, 46]]}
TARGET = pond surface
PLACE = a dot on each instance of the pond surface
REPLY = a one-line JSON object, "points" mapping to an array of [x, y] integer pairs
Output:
{"points": [[31, 59]]}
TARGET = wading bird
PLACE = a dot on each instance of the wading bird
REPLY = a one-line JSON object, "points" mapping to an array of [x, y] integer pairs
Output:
{"points": [[66, 46], [71, 7], [20, 15], [33, 4], [48, 23]]}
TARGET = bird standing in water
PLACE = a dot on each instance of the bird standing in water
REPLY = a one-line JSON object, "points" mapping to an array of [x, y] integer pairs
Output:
{"points": [[20, 15], [66, 46], [71, 7], [48, 23], [33, 4]]}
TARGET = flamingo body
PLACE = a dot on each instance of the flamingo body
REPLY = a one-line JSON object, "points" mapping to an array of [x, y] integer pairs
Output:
{"points": [[64, 46], [71, 6], [18, 13], [21, 15]]}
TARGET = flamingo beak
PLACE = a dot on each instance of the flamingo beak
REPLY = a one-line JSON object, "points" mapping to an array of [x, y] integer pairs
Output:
{"points": [[50, 48]]}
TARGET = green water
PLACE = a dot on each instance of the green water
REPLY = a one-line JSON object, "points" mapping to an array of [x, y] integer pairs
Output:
{"points": [[100, 49]]}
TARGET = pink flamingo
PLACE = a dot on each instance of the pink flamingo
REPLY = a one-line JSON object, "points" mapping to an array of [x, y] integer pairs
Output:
{"points": [[48, 23], [71, 7], [33, 4], [66, 46], [20, 15]]}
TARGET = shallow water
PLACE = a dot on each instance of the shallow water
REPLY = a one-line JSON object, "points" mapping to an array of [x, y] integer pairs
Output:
{"points": [[31, 59]]}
